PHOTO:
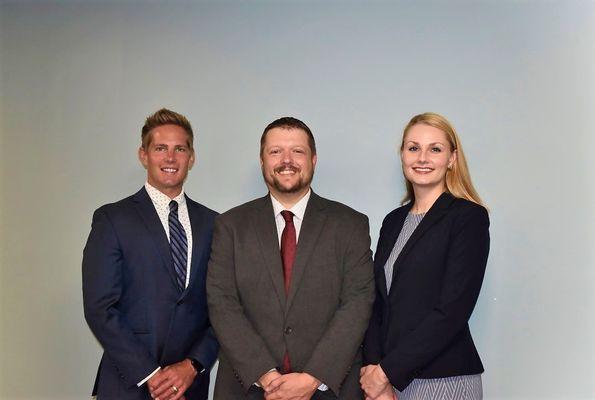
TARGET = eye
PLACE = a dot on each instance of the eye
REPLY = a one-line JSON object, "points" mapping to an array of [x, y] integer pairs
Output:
{"points": [[181, 149], [274, 151], [436, 150], [412, 148], [159, 148], [299, 151]]}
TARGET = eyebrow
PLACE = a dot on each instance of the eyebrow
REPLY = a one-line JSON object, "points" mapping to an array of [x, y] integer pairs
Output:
{"points": [[429, 144], [166, 145]]}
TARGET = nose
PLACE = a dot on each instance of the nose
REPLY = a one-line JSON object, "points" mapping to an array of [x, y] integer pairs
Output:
{"points": [[171, 155], [287, 157], [422, 156]]}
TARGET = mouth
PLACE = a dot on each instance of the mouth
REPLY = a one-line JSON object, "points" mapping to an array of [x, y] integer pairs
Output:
{"points": [[169, 170], [286, 170], [423, 170]]}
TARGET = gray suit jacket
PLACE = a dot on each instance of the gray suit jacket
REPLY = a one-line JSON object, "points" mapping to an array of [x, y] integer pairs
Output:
{"points": [[320, 323]]}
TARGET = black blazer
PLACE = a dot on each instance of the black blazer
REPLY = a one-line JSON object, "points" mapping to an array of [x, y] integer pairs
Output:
{"points": [[132, 303], [420, 329]]}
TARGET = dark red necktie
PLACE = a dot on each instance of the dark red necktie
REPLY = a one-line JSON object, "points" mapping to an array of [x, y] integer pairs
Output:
{"points": [[288, 248]]}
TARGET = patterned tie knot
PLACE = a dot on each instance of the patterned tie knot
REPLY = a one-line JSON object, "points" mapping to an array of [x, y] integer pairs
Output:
{"points": [[173, 206], [287, 216]]}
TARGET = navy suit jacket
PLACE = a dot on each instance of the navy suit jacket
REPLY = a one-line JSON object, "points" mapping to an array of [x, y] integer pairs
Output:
{"points": [[420, 329], [131, 301]]}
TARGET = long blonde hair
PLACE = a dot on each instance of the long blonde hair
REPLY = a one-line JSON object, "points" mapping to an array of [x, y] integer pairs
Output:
{"points": [[458, 180]]}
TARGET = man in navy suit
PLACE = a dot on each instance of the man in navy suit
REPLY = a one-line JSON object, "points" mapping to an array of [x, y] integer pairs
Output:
{"points": [[144, 269]]}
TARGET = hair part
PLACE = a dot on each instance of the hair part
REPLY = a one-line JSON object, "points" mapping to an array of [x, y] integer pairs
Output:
{"points": [[165, 117], [458, 179], [288, 123]]}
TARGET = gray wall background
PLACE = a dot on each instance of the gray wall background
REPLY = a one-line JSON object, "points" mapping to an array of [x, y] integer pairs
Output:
{"points": [[516, 78]]}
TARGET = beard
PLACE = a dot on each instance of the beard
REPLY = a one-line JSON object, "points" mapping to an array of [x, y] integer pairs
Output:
{"points": [[302, 183]]}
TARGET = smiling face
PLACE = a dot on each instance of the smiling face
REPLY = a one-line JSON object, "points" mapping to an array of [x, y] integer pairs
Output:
{"points": [[167, 158], [426, 156], [287, 163]]}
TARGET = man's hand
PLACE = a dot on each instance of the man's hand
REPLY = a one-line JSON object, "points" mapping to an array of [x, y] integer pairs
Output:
{"points": [[374, 381], [266, 380], [297, 386], [171, 382]]}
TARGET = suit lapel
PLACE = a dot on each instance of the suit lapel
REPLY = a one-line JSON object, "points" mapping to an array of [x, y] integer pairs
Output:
{"points": [[314, 220], [156, 232], [263, 221], [198, 246], [434, 214], [386, 247]]}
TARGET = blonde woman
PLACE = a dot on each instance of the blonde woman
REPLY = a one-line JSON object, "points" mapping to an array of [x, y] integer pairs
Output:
{"points": [[429, 265]]}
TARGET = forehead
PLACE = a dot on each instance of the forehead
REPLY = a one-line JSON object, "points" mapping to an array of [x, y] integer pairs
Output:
{"points": [[169, 134], [286, 136], [422, 133]]}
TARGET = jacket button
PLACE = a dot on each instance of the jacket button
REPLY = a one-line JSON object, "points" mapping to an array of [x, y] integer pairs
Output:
{"points": [[288, 330]]}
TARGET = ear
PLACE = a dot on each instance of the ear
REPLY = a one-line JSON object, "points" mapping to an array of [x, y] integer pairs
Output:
{"points": [[192, 160], [452, 159], [142, 157], [314, 159]]}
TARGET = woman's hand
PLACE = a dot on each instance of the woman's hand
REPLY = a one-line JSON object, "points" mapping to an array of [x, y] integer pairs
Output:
{"points": [[375, 383]]}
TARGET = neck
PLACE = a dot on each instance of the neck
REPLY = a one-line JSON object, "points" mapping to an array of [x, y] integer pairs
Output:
{"points": [[425, 198], [288, 200], [172, 193]]}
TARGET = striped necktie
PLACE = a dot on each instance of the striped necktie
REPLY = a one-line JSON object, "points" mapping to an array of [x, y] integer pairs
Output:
{"points": [[178, 245]]}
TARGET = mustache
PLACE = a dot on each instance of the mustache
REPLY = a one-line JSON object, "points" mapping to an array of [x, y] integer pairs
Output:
{"points": [[285, 167]]}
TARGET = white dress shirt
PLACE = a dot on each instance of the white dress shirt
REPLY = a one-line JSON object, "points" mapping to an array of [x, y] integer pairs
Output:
{"points": [[298, 210]]}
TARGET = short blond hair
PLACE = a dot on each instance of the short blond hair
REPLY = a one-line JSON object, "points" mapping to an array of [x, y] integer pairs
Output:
{"points": [[458, 179], [165, 117]]}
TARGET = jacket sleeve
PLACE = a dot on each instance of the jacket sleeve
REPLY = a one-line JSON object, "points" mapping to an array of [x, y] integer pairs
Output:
{"points": [[372, 343], [465, 267], [240, 342], [372, 340], [205, 349], [333, 356], [102, 288]]}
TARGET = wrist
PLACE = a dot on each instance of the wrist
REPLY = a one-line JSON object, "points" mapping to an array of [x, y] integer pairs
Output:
{"points": [[315, 382], [196, 366], [268, 377], [382, 375]]}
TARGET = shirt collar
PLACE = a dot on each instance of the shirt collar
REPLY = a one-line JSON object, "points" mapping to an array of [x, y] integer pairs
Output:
{"points": [[158, 197], [298, 209]]}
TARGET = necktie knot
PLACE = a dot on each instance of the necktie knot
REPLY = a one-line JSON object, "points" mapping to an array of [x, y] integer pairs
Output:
{"points": [[173, 206], [287, 216]]}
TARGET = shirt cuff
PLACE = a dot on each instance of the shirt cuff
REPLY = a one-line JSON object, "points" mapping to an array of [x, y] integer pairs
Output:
{"points": [[322, 387], [270, 370], [148, 377]]}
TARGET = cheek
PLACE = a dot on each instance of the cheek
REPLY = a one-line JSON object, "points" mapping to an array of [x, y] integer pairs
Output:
{"points": [[406, 159], [268, 166], [444, 159]]}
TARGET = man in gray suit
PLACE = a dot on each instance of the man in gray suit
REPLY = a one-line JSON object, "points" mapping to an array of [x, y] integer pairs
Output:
{"points": [[290, 283]]}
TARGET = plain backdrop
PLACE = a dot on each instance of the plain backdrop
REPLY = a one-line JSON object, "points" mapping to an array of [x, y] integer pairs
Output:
{"points": [[516, 78]]}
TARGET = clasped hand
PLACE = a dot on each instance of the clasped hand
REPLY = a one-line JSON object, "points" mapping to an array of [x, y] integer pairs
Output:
{"points": [[375, 383], [294, 386], [171, 382]]}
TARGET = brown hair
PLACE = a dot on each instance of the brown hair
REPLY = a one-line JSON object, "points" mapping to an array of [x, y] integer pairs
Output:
{"points": [[288, 123], [458, 179], [165, 117]]}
